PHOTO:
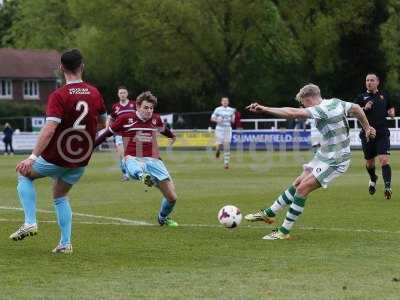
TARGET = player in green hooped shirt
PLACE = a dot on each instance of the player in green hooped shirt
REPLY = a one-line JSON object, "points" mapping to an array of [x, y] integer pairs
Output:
{"points": [[330, 161]]}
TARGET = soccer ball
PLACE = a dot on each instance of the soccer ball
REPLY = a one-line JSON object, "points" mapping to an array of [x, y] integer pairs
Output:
{"points": [[230, 216]]}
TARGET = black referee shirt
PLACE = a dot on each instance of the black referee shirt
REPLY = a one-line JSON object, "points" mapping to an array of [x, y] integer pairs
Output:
{"points": [[377, 114]]}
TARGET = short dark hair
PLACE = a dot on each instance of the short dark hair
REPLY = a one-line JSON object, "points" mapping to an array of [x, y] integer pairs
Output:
{"points": [[71, 60], [122, 87], [146, 96], [373, 73]]}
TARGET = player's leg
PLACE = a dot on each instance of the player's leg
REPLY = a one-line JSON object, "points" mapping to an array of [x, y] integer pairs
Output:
{"points": [[285, 198], [11, 148], [65, 179], [119, 145], [27, 197], [386, 174], [6, 152], [218, 149], [64, 215], [320, 176], [306, 186], [383, 149], [135, 168], [370, 152], [163, 181], [219, 141], [168, 202], [227, 146]]}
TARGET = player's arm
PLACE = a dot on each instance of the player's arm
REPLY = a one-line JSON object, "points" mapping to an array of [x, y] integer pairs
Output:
{"points": [[110, 131], [362, 104], [233, 117], [54, 115], [391, 111], [169, 134], [284, 112], [165, 131], [110, 120], [103, 121], [102, 137], [214, 117], [45, 136], [359, 113]]}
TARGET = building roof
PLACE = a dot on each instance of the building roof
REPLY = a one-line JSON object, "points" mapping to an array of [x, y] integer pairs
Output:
{"points": [[16, 63]]}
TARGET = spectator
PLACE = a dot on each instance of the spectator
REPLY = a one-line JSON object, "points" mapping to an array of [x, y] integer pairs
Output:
{"points": [[7, 139]]}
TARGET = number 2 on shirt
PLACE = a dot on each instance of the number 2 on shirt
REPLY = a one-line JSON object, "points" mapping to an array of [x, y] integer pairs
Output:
{"points": [[85, 111]]}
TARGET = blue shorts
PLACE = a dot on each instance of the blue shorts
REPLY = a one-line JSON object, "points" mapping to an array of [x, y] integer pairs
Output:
{"points": [[118, 140], [153, 166], [46, 169]]}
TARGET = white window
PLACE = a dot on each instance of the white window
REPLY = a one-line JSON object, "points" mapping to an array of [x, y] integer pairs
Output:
{"points": [[5, 89], [31, 89]]}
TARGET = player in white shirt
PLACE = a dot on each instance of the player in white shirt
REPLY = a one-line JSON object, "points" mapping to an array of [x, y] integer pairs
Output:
{"points": [[331, 160], [223, 116], [316, 137]]}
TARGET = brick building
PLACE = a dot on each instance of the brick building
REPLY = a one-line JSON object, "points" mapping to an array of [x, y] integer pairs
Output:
{"points": [[28, 75]]}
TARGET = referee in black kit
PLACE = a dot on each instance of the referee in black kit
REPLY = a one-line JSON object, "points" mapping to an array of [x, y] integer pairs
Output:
{"points": [[377, 107]]}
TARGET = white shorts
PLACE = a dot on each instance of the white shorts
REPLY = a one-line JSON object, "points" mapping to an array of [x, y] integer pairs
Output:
{"points": [[325, 173], [223, 135]]}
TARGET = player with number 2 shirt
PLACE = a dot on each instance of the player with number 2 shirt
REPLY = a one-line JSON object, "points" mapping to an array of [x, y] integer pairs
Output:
{"points": [[63, 148]]}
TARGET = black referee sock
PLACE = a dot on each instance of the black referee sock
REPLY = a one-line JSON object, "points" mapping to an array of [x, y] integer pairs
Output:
{"points": [[387, 175], [371, 172]]}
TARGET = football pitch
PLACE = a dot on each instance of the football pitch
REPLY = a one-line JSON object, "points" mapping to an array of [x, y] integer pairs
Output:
{"points": [[346, 245]]}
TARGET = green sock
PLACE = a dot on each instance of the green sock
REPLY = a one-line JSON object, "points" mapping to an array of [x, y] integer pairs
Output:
{"points": [[286, 198], [295, 210]]}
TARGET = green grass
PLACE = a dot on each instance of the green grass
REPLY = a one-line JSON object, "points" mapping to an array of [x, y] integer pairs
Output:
{"points": [[346, 246]]}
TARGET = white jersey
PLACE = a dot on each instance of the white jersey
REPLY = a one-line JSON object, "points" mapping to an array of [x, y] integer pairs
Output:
{"points": [[331, 122], [226, 114], [315, 135]]}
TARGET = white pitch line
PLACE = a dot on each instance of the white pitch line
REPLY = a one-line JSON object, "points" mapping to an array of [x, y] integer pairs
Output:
{"points": [[125, 222], [138, 223], [81, 222], [134, 222]]}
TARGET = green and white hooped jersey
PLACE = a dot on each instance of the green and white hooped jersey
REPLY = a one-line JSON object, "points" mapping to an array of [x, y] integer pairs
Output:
{"points": [[331, 122], [226, 113]]}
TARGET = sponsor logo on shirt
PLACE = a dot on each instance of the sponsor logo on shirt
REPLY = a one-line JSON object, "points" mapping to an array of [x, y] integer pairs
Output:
{"points": [[79, 91]]}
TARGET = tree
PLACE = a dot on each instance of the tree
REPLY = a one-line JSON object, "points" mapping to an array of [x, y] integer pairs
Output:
{"points": [[44, 24], [390, 32], [340, 41], [7, 15], [212, 47], [189, 52]]}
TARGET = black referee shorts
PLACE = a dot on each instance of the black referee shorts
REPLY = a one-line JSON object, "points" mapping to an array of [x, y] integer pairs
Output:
{"points": [[380, 145]]}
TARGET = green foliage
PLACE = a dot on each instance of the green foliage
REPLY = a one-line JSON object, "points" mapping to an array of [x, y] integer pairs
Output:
{"points": [[191, 52], [20, 109], [7, 15], [391, 45], [44, 24]]}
